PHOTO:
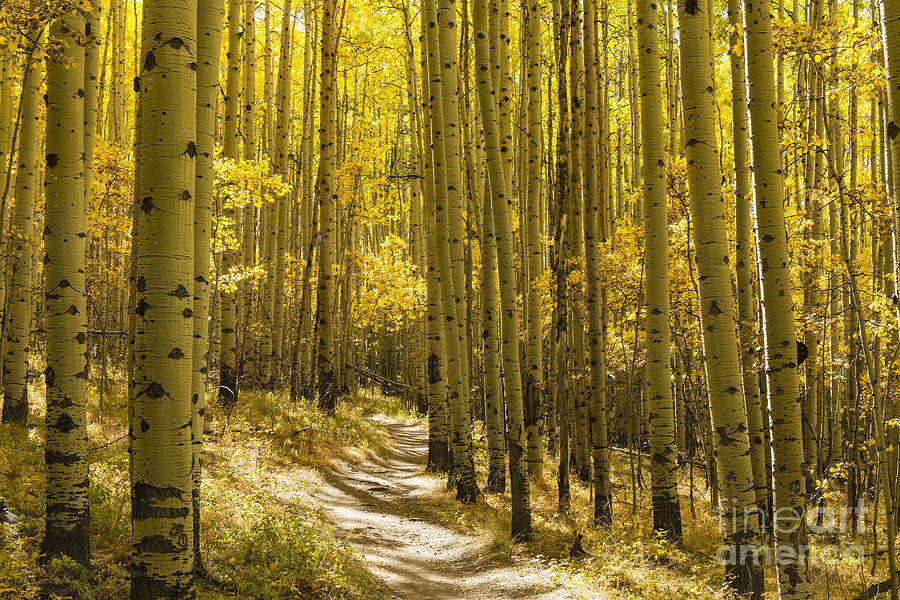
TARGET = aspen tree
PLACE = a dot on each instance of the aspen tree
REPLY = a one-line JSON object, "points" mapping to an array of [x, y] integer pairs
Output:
{"points": [[782, 381], [210, 14], [326, 197], [228, 390], [6, 150], [6, 183], [438, 449], [500, 206], [493, 392], [441, 42], [460, 434], [18, 312], [717, 312], [65, 223], [485, 68], [532, 236], [575, 248], [592, 202], [744, 260], [281, 163], [664, 468], [248, 365], [417, 228], [91, 68], [561, 23], [162, 563]]}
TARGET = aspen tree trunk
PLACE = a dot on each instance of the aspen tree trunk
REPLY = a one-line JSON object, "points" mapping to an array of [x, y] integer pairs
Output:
{"points": [[282, 167], [813, 234], [438, 449], [890, 30], [6, 183], [561, 23], [91, 90], [663, 450], [17, 327], [717, 312], [499, 206], [6, 150], [268, 80], [575, 250], [209, 43], [592, 202], [228, 391], [533, 338], [782, 382], [744, 260], [162, 483], [449, 225], [67, 530], [417, 229], [304, 380], [326, 198], [634, 112], [249, 365], [494, 406]]}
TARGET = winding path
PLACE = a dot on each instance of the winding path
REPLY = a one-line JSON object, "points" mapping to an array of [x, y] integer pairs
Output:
{"points": [[380, 507]]}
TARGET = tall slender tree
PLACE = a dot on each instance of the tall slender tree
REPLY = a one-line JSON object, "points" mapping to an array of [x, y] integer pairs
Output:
{"points": [[228, 369], [65, 233], [592, 204], [666, 508], [17, 325], [717, 311], [499, 208], [210, 14], [782, 379], [162, 562], [326, 198]]}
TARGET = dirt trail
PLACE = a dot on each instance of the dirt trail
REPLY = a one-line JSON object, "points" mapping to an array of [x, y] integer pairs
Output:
{"points": [[380, 507]]}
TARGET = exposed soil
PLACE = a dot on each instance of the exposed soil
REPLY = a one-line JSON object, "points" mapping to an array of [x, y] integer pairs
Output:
{"points": [[381, 507]]}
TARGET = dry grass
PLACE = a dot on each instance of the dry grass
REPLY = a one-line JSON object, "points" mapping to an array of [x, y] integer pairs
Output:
{"points": [[261, 538], [263, 541]]}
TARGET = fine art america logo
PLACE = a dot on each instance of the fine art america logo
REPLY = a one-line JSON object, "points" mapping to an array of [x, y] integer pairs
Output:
{"points": [[826, 523]]}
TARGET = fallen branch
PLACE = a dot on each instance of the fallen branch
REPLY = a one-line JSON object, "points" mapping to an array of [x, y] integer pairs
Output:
{"points": [[875, 589], [379, 378], [7, 516]]}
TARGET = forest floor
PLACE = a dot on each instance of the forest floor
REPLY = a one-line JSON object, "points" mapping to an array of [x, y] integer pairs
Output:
{"points": [[382, 507], [297, 504]]}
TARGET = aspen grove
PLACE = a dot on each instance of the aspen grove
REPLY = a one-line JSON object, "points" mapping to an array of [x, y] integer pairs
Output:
{"points": [[450, 299]]}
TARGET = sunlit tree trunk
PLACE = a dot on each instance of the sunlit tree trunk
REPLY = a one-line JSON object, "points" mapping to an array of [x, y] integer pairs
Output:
{"points": [[248, 366], [533, 261], [664, 467], [890, 30], [449, 226], [744, 260], [17, 327], [326, 197], [282, 166], [717, 311], [782, 382], [499, 207], [65, 225], [592, 204], [228, 391], [561, 24], [575, 249], [160, 428], [438, 449], [209, 42]]}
